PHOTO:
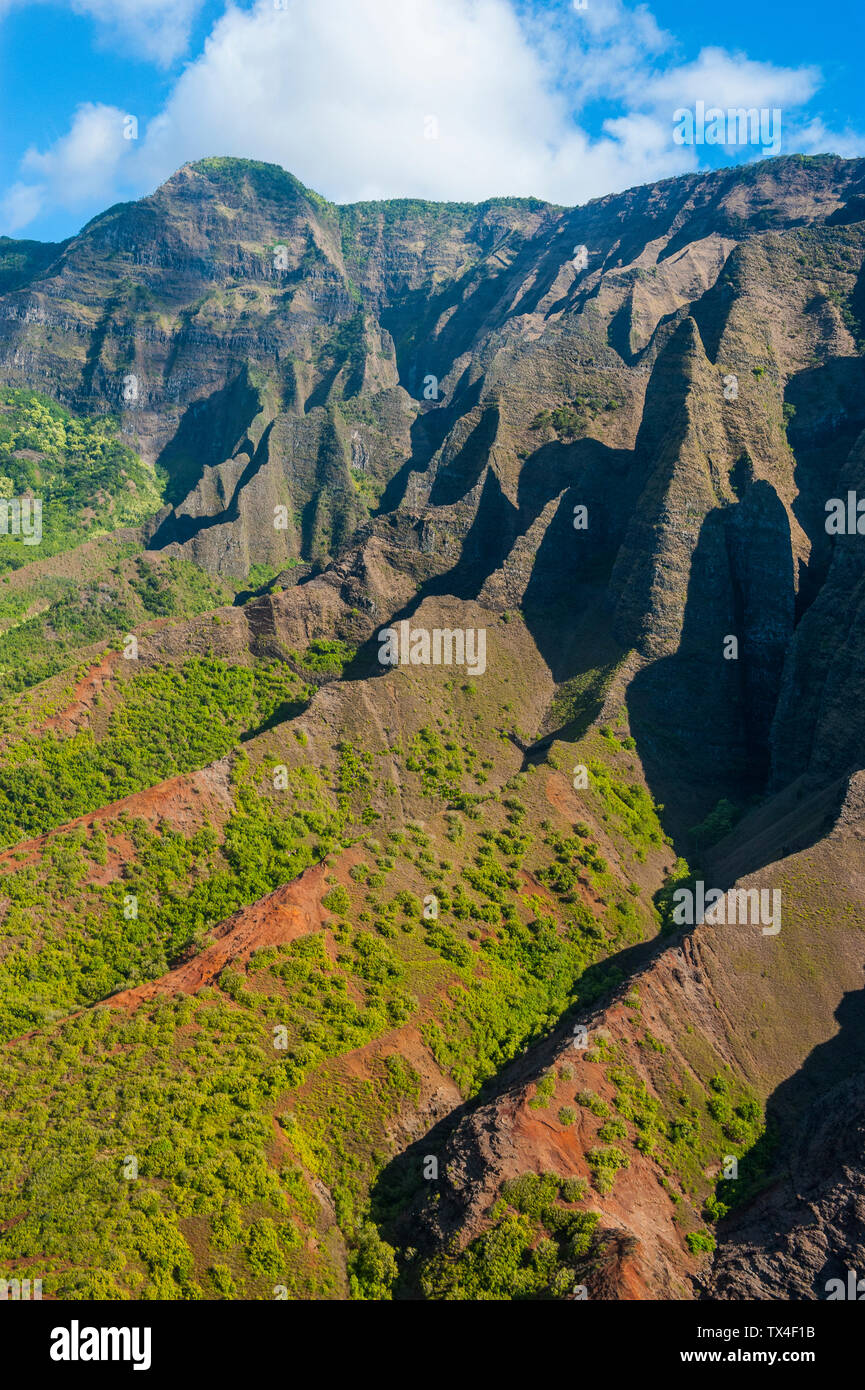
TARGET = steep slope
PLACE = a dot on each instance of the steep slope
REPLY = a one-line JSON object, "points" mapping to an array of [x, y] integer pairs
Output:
{"points": [[657, 1098]]}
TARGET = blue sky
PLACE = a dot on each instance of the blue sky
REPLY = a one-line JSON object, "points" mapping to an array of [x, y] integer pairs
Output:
{"points": [[383, 98]]}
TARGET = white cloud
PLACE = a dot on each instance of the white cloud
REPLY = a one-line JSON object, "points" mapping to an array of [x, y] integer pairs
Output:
{"points": [[340, 92], [83, 162], [21, 205], [153, 29], [815, 138], [80, 167], [602, 51], [729, 80]]}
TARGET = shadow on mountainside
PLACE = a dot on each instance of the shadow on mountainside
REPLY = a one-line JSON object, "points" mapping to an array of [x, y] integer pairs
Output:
{"points": [[811, 1155], [701, 716]]}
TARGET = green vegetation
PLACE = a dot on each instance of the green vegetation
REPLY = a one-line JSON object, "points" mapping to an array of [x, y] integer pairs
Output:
{"points": [[493, 970], [88, 481], [325, 656], [168, 720], [717, 824], [573, 417], [630, 807], [700, 1242], [47, 620], [437, 888], [536, 1247], [592, 1102], [70, 940], [605, 1163]]}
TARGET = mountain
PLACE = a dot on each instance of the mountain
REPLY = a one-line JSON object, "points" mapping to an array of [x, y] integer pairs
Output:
{"points": [[324, 977]]}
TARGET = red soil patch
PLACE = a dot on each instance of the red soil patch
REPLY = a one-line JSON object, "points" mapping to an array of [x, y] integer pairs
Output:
{"points": [[185, 802], [85, 695], [535, 887], [560, 795], [292, 910]]}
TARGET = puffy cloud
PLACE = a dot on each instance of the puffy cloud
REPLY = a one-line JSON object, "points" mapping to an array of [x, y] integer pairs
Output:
{"points": [[84, 160], [729, 80], [340, 94], [80, 167], [21, 205], [604, 51], [155, 29], [815, 138], [386, 98]]}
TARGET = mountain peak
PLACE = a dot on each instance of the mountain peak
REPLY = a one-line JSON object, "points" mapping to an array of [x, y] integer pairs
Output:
{"points": [[233, 177]]}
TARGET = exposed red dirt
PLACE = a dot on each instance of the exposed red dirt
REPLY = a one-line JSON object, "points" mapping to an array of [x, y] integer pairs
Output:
{"points": [[290, 911], [185, 802], [560, 795], [84, 696]]}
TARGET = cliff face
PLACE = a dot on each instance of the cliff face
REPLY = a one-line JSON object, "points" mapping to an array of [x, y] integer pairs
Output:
{"points": [[303, 373], [803, 1239]]}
